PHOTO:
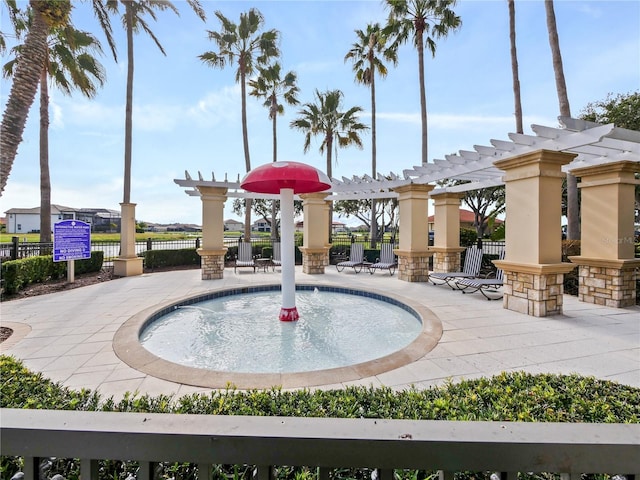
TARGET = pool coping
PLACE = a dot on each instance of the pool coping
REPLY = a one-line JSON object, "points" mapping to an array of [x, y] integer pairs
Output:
{"points": [[128, 348]]}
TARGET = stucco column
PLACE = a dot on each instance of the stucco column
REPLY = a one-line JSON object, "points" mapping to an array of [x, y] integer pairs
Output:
{"points": [[413, 251], [315, 248], [128, 263], [606, 262], [213, 250], [533, 267], [446, 248]]}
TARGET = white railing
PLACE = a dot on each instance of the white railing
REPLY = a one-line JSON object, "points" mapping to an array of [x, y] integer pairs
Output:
{"points": [[267, 442]]}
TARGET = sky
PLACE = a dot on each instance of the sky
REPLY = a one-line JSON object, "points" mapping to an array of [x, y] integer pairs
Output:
{"points": [[187, 115]]}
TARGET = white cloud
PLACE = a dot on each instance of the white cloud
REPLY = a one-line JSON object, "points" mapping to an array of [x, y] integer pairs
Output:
{"points": [[217, 107]]}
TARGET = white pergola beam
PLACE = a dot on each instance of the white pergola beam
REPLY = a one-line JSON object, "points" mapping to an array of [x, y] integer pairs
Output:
{"points": [[593, 143]]}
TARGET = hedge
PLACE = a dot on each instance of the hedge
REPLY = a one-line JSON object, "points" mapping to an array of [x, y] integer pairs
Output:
{"points": [[513, 396], [171, 258], [17, 274]]}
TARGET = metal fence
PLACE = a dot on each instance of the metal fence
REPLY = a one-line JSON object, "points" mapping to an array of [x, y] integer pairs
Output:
{"points": [[340, 247], [324, 444]]}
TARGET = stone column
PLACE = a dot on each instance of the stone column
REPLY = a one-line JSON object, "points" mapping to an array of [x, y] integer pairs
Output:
{"points": [[533, 267], [607, 260], [316, 246], [128, 263], [212, 251], [446, 248], [413, 251]]}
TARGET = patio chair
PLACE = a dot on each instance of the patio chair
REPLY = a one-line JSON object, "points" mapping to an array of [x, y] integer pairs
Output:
{"points": [[276, 257], [470, 269], [356, 258], [483, 285], [244, 258], [387, 260]]}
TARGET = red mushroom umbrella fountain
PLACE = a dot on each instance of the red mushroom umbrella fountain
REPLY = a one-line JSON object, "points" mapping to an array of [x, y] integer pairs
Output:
{"points": [[286, 179]]}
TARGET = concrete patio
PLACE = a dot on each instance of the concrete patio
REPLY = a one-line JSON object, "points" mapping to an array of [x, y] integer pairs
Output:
{"points": [[68, 336]]}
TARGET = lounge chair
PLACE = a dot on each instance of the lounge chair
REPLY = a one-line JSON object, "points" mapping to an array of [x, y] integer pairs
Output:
{"points": [[356, 258], [483, 285], [276, 257], [470, 269], [387, 260], [244, 258]]}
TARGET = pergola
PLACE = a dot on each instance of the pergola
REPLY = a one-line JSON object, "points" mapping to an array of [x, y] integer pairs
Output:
{"points": [[531, 167]]}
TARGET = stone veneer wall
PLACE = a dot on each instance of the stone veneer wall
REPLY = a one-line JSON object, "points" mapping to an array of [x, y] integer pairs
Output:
{"points": [[533, 294], [413, 269], [212, 267], [446, 262], [314, 263], [607, 286]]}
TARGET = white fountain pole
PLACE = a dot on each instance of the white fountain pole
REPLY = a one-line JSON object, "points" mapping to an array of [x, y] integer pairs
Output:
{"points": [[288, 312]]}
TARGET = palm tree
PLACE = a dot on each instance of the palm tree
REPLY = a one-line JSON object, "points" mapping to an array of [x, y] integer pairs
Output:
{"points": [[514, 66], [47, 14], [573, 208], [426, 21], [366, 63], [326, 119], [134, 21], [270, 86], [70, 66], [244, 44]]}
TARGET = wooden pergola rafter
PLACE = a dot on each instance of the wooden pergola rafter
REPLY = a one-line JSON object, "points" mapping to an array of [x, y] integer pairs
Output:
{"points": [[593, 144]]}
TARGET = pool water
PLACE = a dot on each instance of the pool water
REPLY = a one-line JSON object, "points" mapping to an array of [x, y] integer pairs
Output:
{"points": [[242, 333]]}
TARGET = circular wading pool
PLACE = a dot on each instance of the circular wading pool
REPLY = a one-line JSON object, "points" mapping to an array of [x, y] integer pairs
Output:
{"points": [[234, 337]]}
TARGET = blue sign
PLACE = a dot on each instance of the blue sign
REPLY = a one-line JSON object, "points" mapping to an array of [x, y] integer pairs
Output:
{"points": [[71, 240]]}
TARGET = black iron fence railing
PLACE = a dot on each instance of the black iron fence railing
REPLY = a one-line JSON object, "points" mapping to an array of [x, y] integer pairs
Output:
{"points": [[261, 246]]}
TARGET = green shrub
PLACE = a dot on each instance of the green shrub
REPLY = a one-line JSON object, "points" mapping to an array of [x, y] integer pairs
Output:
{"points": [[17, 274], [468, 237], [171, 258], [514, 396]]}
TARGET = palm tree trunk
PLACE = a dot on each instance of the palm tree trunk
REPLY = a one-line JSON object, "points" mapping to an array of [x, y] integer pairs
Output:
{"points": [[22, 93], [274, 224], [373, 227], [423, 96], [329, 174], [245, 145], [45, 178], [573, 208], [128, 121], [514, 66]]}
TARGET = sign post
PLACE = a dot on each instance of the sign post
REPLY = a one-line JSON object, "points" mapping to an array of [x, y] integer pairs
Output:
{"points": [[71, 241]]}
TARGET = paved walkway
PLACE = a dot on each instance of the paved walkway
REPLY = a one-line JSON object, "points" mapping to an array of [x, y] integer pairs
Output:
{"points": [[68, 336]]}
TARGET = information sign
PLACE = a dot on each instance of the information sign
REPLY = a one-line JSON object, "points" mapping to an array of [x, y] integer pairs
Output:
{"points": [[71, 240]]}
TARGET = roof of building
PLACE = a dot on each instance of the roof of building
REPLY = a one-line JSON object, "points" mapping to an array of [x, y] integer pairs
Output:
{"points": [[55, 208]]}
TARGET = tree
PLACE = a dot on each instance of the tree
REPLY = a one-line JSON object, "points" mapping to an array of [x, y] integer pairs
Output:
{"points": [[621, 110], [270, 86], [326, 119], [70, 65], [134, 20], [264, 208], [47, 14], [514, 66], [573, 208], [365, 55], [485, 203], [361, 209], [426, 21], [244, 44]]}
